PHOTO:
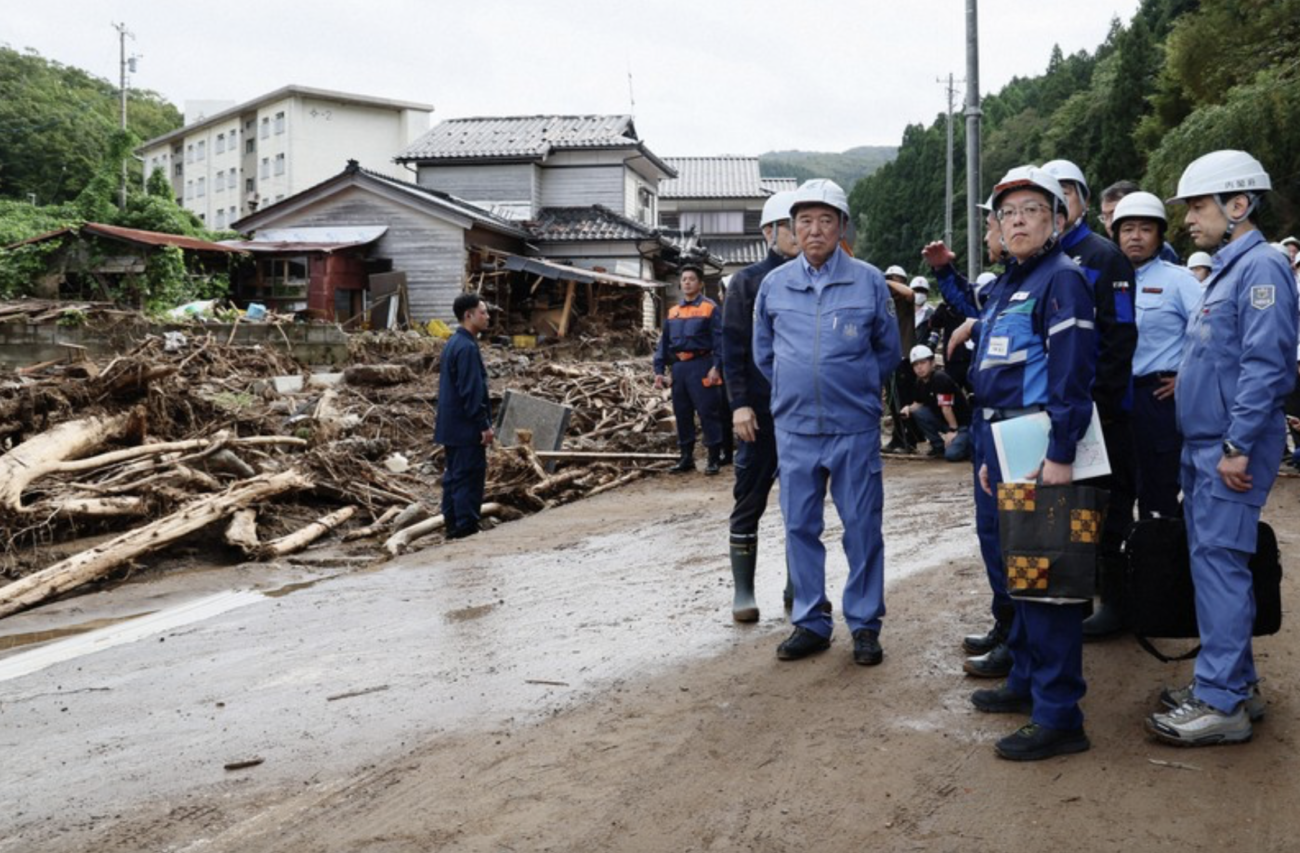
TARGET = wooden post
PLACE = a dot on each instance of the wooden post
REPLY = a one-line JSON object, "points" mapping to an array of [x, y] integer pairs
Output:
{"points": [[569, 293]]}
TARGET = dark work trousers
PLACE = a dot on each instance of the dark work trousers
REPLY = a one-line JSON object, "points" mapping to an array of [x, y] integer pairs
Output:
{"points": [[986, 518], [902, 386], [755, 472], [462, 486], [1159, 447], [1122, 485], [691, 396]]}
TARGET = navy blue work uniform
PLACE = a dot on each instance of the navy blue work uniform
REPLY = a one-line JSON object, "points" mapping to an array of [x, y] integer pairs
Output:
{"points": [[1238, 368], [464, 414], [1036, 352], [692, 343], [747, 387], [826, 338], [1166, 298], [1111, 275]]}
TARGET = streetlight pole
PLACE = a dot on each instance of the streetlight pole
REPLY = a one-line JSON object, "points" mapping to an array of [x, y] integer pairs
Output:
{"points": [[122, 34]]}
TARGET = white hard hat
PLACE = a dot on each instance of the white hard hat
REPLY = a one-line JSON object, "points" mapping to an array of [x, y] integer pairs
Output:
{"points": [[920, 283], [777, 208], [921, 352], [1138, 205], [987, 205], [985, 279], [896, 271], [1290, 241], [1064, 170], [820, 191], [1027, 177], [1221, 172], [1199, 259]]}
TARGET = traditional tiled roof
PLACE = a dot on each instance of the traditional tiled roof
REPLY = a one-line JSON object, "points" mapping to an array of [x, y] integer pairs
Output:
{"points": [[567, 224], [737, 250], [713, 177], [527, 137], [776, 185]]}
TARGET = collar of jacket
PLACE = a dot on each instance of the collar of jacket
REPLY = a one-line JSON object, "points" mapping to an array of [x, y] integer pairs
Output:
{"points": [[1075, 235], [696, 301], [835, 272], [1235, 249], [1019, 271], [467, 332]]}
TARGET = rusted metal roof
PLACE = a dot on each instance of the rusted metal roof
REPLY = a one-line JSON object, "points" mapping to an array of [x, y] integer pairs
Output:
{"points": [[134, 235]]}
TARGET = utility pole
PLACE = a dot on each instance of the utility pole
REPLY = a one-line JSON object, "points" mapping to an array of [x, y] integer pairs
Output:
{"points": [[947, 194], [122, 33], [974, 226]]}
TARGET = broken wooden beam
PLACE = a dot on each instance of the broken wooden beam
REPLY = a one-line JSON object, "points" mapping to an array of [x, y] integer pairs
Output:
{"points": [[600, 454]]}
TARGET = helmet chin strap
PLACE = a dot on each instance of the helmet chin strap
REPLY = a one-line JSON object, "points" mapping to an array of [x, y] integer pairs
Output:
{"points": [[1233, 223]]}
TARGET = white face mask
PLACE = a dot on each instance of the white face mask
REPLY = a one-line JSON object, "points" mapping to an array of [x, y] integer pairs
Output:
{"points": [[920, 298]]}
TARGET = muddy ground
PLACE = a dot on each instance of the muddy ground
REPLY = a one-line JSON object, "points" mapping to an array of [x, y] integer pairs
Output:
{"points": [[573, 681]]}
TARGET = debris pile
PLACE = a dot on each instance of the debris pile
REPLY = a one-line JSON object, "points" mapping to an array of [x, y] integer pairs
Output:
{"points": [[154, 445]]}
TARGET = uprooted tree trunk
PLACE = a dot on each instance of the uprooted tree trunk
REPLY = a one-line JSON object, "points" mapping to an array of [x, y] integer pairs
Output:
{"points": [[402, 539], [99, 561], [45, 453], [300, 539]]}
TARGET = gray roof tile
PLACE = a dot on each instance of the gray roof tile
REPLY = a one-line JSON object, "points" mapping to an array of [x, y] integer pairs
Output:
{"points": [[520, 136], [565, 224], [737, 250], [713, 177], [776, 185]]}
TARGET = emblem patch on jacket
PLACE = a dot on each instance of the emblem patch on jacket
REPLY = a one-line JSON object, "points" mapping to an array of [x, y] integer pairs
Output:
{"points": [[1262, 296]]}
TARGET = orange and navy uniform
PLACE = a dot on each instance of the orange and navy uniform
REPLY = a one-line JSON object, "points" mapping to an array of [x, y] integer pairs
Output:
{"points": [[692, 330]]}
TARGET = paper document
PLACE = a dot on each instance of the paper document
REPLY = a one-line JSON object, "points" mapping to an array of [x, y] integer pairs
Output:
{"points": [[1021, 445]]}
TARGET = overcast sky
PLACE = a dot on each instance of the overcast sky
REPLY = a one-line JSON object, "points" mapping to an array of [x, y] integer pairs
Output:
{"points": [[708, 76]]}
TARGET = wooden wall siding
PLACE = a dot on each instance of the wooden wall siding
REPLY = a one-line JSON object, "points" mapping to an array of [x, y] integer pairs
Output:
{"points": [[429, 250], [485, 182], [583, 186]]}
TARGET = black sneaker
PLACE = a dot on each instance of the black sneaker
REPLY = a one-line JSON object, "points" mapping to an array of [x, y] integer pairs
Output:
{"points": [[801, 644], [995, 664], [1000, 700], [1034, 743], [866, 647]]}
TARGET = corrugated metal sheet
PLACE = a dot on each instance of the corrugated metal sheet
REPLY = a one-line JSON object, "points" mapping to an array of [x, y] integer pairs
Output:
{"points": [[134, 235], [713, 177], [520, 136], [354, 235]]}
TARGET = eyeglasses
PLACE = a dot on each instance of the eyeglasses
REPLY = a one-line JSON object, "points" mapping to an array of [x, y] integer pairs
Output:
{"points": [[1028, 211]]}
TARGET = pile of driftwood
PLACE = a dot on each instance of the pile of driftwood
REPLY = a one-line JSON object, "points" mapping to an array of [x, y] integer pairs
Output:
{"points": [[154, 446]]}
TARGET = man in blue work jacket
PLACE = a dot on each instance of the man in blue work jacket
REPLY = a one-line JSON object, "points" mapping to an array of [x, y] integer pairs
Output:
{"points": [[1036, 353], [1111, 276], [1238, 367], [825, 337], [751, 406], [692, 344], [464, 421], [1167, 295]]}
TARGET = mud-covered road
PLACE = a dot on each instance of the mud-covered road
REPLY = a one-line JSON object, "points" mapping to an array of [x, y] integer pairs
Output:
{"points": [[573, 681]]}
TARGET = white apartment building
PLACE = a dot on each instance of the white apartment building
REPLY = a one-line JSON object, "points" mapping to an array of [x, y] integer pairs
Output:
{"points": [[224, 166]]}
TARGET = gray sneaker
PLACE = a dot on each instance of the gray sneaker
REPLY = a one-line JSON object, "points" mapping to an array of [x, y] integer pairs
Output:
{"points": [[1172, 697], [1194, 723]]}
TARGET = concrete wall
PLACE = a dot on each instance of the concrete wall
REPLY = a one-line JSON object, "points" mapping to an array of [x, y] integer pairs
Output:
{"points": [[23, 344]]}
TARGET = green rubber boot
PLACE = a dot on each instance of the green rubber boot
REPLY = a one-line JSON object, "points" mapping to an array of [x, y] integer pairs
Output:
{"points": [[744, 560]]}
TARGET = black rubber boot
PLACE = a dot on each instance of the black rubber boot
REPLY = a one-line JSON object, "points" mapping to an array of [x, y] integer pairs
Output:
{"points": [[1108, 617], [744, 559], [995, 664], [686, 464], [982, 644], [715, 461]]}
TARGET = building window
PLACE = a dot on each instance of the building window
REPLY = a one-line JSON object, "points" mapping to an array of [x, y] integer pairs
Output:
{"points": [[249, 186], [233, 216], [266, 128], [219, 184], [714, 221], [266, 168], [189, 153], [280, 197], [279, 123], [200, 150], [189, 189], [221, 217], [221, 143], [279, 163], [200, 187], [250, 146], [232, 180], [180, 170]]}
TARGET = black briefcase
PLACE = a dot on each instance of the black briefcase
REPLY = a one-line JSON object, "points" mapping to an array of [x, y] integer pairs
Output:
{"points": [[1160, 600], [1049, 537]]}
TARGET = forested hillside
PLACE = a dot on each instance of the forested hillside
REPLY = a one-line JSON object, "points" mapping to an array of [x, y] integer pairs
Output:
{"points": [[846, 168], [57, 123], [1181, 79]]}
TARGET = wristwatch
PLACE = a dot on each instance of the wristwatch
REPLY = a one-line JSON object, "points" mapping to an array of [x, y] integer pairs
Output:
{"points": [[1230, 450]]}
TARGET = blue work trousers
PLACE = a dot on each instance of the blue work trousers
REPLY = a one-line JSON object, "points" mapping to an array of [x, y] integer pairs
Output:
{"points": [[755, 465], [986, 521], [1159, 446], [933, 426], [691, 396], [462, 486], [1221, 536], [851, 464], [1046, 640]]}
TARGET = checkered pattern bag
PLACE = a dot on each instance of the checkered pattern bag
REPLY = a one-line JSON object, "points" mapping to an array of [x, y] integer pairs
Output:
{"points": [[1049, 537]]}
